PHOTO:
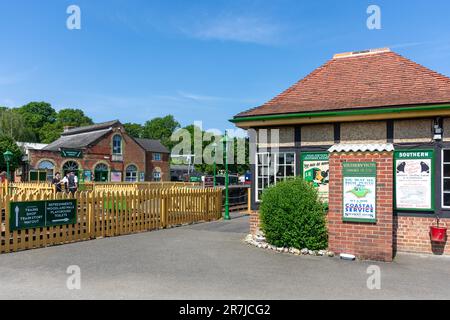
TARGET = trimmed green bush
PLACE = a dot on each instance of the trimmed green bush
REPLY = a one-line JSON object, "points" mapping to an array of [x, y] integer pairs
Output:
{"points": [[293, 216]]}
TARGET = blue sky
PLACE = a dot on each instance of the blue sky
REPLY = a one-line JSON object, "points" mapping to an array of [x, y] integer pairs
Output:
{"points": [[198, 60]]}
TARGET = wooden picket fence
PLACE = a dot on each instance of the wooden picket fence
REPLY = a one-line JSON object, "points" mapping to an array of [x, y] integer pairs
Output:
{"points": [[32, 188], [108, 214]]}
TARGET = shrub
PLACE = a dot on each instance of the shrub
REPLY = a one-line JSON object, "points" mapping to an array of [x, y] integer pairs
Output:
{"points": [[293, 216]]}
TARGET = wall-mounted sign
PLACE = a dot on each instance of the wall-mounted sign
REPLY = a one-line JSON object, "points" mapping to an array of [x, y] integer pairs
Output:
{"points": [[116, 176], [40, 214], [414, 175], [71, 153], [316, 170], [359, 191], [87, 175]]}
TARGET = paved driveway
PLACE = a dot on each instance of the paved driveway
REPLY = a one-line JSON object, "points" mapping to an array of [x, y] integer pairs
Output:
{"points": [[209, 261]]}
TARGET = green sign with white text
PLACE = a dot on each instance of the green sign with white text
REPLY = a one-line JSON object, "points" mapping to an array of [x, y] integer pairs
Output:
{"points": [[40, 214], [71, 153]]}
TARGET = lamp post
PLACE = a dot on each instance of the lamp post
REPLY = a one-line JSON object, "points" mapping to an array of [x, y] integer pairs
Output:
{"points": [[227, 203], [8, 157], [214, 163]]}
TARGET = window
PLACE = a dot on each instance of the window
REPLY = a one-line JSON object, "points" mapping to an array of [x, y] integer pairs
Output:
{"points": [[117, 145], [272, 168], [49, 167], [446, 178], [70, 166], [157, 157], [156, 175], [131, 173]]}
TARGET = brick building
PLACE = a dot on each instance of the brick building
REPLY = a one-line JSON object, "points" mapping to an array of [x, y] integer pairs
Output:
{"points": [[101, 152], [381, 113]]}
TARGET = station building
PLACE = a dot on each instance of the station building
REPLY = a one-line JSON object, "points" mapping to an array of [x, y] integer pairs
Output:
{"points": [[371, 130], [102, 152]]}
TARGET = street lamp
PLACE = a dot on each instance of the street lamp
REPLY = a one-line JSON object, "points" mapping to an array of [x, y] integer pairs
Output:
{"points": [[214, 164], [227, 203], [8, 157]]}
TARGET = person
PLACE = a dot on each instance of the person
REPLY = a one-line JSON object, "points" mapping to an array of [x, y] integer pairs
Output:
{"points": [[71, 182], [57, 182]]}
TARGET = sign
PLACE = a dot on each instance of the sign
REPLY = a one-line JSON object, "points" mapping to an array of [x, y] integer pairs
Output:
{"points": [[116, 176], [209, 182], [360, 191], [87, 175], [414, 185], [40, 214], [71, 153], [316, 170]]}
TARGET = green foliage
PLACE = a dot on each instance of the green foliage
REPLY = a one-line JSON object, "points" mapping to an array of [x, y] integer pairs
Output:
{"points": [[36, 115], [8, 144], [73, 118], [51, 131], [13, 125], [293, 216], [134, 129], [161, 129]]}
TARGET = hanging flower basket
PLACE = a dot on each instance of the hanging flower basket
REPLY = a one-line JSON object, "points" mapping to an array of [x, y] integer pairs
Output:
{"points": [[438, 233]]}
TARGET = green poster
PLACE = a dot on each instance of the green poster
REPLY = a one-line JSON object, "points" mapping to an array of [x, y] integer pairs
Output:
{"points": [[359, 191], [40, 214], [316, 170]]}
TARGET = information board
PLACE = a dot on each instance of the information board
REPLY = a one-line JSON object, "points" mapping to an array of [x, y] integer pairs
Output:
{"points": [[316, 170], [360, 191], [40, 214], [414, 185]]}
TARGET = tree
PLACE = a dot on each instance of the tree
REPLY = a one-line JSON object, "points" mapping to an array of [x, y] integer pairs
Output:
{"points": [[161, 129], [36, 115], [73, 118], [8, 144], [65, 117], [13, 125], [134, 129]]}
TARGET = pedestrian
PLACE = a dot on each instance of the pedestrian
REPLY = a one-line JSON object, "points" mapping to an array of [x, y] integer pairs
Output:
{"points": [[71, 182], [56, 182]]}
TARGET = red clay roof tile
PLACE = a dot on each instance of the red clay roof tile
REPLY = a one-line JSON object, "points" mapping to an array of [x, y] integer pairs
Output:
{"points": [[382, 79]]}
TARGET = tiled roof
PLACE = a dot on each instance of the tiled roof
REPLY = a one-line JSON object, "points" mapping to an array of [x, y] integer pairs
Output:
{"points": [[152, 145], [77, 141], [362, 147], [375, 78], [94, 127]]}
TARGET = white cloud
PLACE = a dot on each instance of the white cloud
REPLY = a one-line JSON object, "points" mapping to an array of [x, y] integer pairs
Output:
{"points": [[235, 28]]}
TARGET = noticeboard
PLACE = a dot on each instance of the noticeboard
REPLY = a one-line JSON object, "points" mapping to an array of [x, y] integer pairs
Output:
{"points": [[414, 180], [316, 170], [40, 214], [359, 191]]}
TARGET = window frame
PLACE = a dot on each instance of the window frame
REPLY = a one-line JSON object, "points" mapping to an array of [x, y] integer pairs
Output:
{"points": [[272, 162], [155, 154], [113, 145], [132, 173]]}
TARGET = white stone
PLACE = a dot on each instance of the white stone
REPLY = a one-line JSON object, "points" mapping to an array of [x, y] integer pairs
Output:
{"points": [[330, 254], [304, 251]]}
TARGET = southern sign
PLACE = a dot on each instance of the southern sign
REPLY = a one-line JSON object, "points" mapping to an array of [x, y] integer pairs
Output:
{"points": [[40, 214], [71, 153], [316, 170], [360, 193], [414, 180]]}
